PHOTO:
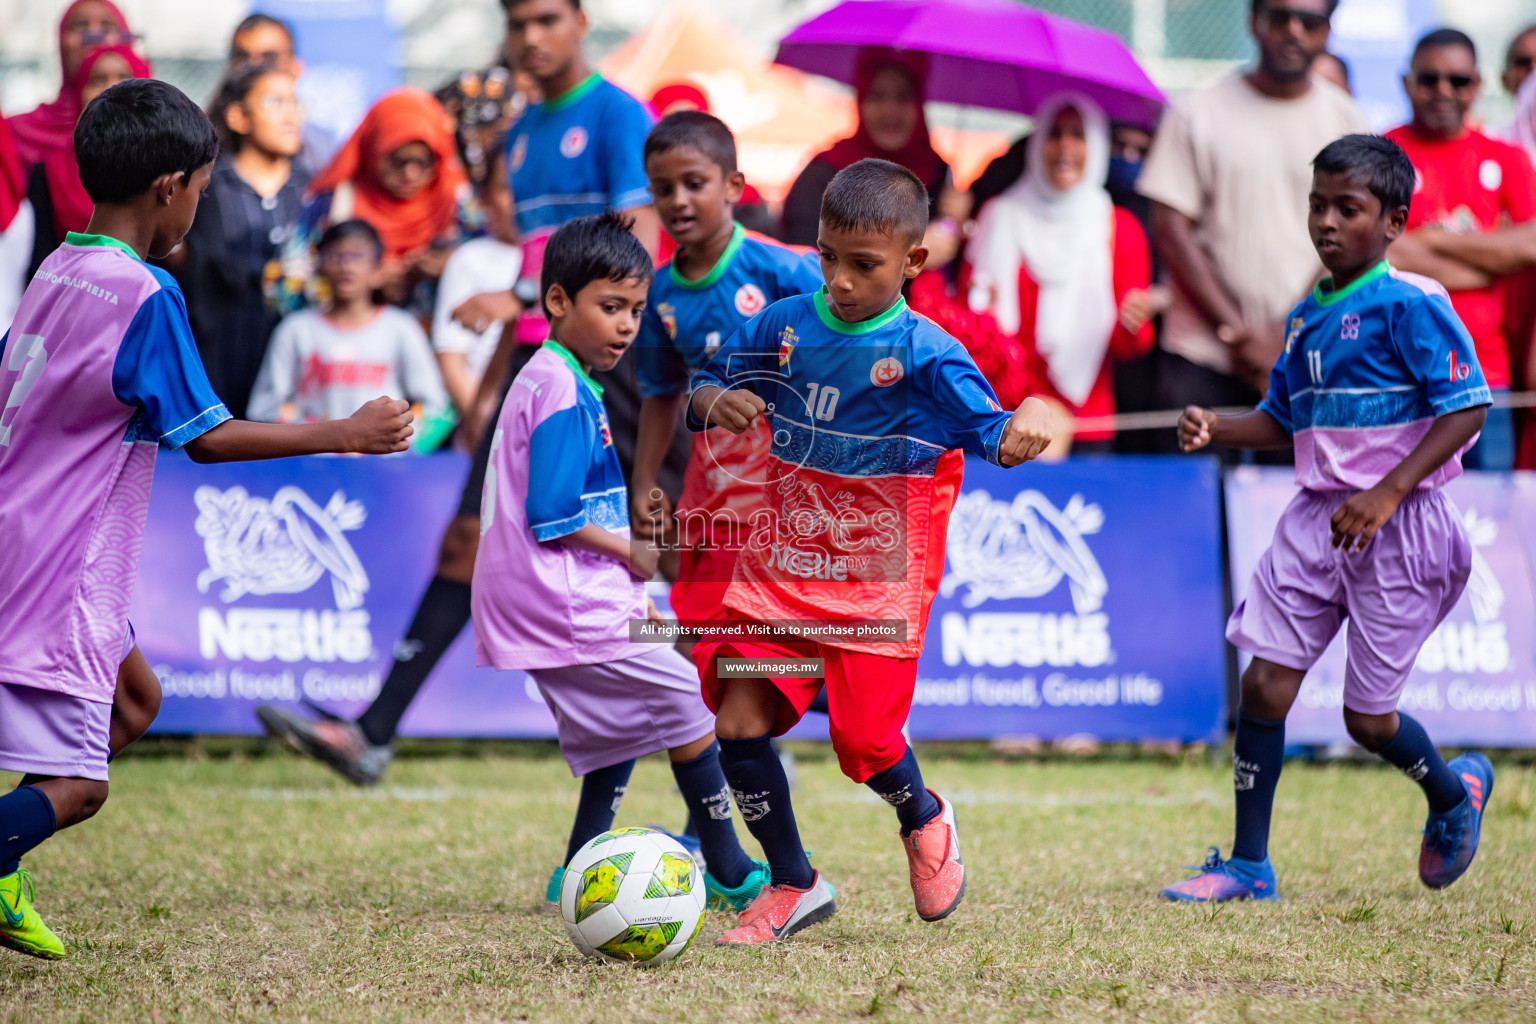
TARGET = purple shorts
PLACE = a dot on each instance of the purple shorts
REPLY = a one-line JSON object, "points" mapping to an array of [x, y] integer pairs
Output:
{"points": [[617, 710], [1394, 593], [52, 733], [48, 733]]}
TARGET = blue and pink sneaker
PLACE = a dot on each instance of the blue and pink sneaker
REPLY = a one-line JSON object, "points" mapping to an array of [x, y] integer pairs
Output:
{"points": [[1220, 880], [1451, 837]]}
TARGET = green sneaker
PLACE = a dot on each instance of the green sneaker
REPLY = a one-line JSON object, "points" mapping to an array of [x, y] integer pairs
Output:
{"points": [[552, 890], [736, 900], [21, 929]]}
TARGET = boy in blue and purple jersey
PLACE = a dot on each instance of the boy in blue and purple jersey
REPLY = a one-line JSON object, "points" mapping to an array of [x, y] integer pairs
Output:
{"points": [[98, 371], [721, 276], [558, 579], [1380, 392]]}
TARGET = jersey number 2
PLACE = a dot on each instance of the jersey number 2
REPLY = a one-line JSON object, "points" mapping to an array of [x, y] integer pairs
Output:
{"points": [[29, 357]]}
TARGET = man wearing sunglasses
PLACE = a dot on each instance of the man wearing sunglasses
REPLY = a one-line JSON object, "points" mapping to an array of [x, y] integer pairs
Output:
{"points": [[1228, 177], [1469, 184], [1520, 59]]}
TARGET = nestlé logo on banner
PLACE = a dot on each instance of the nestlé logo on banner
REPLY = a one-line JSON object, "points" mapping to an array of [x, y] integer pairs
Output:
{"points": [[287, 544], [1026, 548]]}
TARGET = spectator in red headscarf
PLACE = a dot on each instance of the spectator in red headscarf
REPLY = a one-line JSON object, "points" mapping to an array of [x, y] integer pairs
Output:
{"points": [[889, 87], [86, 25], [400, 172], [15, 226], [59, 201]]}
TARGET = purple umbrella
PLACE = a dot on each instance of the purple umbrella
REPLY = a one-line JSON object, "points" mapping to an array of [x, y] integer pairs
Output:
{"points": [[982, 53]]}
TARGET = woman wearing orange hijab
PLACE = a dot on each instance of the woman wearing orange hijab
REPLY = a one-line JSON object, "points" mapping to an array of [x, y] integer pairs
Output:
{"points": [[400, 172]]}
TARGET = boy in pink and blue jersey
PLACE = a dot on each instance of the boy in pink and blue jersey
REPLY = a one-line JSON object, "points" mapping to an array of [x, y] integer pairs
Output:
{"points": [[721, 276], [97, 372], [558, 579], [1380, 392]]}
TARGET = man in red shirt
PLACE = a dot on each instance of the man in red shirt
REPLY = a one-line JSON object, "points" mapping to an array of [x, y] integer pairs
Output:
{"points": [[1468, 183]]}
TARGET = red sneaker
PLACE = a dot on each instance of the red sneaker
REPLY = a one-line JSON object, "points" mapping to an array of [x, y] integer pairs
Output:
{"points": [[938, 873], [779, 911]]}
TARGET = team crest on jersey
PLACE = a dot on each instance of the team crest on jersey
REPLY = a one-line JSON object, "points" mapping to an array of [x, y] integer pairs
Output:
{"points": [[1297, 323], [668, 314], [519, 152], [602, 424], [750, 300], [886, 372], [573, 142], [787, 342]]}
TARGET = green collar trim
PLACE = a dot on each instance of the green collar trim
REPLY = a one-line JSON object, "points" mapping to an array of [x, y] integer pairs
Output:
{"points": [[1323, 296], [829, 319], [577, 92], [738, 237], [575, 365], [106, 241]]}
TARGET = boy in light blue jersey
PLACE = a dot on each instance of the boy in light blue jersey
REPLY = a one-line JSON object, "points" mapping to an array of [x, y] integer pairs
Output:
{"points": [[721, 277], [1380, 392]]}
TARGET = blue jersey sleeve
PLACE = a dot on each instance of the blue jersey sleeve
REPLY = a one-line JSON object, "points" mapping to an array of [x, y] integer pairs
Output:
{"points": [[965, 403], [1277, 400], [1439, 353], [659, 368], [158, 370], [623, 133], [558, 454], [747, 359]]}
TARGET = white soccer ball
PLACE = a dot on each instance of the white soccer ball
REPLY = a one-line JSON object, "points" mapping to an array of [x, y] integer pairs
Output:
{"points": [[633, 896]]}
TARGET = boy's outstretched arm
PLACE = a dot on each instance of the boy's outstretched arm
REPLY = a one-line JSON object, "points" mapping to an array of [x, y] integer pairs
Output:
{"points": [[381, 427], [1258, 429], [1027, 434], [1358, 519], [650, 509]]}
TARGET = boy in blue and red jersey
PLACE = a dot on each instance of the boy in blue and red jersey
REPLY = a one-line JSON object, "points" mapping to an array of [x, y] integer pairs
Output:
{"points": [[870, 407], [1380, 392], [721, 276]]}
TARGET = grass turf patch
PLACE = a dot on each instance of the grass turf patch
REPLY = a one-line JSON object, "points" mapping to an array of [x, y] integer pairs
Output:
{"points": [[264, 888]]}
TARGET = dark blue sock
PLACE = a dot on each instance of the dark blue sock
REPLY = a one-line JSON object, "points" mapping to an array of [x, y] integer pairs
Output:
{"points": [[26, 819], [1257, 755], [601, 791], [691, 830], [762, 795], [709, 811], [901, 786], [1412, 752]]}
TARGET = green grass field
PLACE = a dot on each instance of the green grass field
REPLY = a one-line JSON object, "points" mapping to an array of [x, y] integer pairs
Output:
{"points": [[262, 888]]}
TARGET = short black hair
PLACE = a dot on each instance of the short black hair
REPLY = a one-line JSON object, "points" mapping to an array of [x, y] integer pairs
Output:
{"points": [[694, 129], [1441, 37], [509, 4], [877, 195], [597, 248], [255, 21], [1259, 5], [135, 132], [354, 228], [1377, 160]]}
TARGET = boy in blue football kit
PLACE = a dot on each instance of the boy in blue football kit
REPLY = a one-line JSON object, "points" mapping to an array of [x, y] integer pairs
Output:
{"points": [[1380, 392], [721, 277], [871, 409]]}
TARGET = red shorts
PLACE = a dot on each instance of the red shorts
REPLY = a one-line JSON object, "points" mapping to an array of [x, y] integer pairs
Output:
{"points": [[868, 696], [702, 577]]}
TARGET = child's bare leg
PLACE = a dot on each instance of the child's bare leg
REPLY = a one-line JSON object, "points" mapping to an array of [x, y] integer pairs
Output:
{"points": [[135, 702], [1258, 751], [749, 710]]}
